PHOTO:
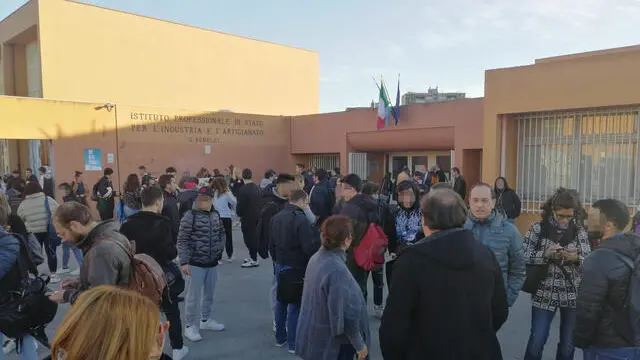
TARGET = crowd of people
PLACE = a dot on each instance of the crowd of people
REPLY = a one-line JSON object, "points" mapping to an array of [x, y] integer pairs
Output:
{"points": [[451, 256]]}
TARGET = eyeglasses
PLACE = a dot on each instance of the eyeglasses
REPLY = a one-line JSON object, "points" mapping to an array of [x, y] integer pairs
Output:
{"points": [[562, 216]]}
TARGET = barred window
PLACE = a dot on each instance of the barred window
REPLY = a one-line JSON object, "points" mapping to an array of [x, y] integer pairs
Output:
{"points": [[324, 161], [594, 151]]}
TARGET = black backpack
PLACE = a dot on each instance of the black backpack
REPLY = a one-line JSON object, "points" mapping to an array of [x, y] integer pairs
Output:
{"points": [[94, 191], [28, 310]]}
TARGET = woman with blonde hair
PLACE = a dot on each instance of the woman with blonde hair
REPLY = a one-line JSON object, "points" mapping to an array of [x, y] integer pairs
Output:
{"points": [[111, 323]]}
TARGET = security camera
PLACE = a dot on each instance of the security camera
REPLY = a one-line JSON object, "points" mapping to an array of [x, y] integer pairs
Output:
{"points": [[109, 106]]}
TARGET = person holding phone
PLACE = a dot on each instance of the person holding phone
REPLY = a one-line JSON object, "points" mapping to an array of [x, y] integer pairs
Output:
{"points": [[556, 246]]}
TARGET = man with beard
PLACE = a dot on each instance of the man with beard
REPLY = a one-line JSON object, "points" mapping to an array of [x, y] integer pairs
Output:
{"points": [[106, 251], [604, 323]]}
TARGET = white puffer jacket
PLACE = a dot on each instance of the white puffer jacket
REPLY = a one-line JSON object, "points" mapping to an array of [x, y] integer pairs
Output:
{"points": [[34, 214]]}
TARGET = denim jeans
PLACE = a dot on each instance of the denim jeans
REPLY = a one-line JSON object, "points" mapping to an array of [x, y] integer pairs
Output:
{"points": [[66, 253], [201, 289], [540, 324], [28, 351], [595, 353], [50, 249], [286, 316]]}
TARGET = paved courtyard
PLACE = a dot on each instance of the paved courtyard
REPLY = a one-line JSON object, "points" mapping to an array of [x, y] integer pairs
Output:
{"points": [[242, 304]]}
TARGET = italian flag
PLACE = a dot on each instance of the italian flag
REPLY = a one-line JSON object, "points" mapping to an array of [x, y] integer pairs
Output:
{"points": [[383, 107]]}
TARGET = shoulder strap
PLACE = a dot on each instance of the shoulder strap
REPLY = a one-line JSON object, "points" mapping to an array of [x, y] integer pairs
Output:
{"points": [[25, 261]]}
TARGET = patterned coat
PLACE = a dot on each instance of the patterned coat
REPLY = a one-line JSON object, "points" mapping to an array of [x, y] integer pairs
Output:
{"points": [[557, 290]]}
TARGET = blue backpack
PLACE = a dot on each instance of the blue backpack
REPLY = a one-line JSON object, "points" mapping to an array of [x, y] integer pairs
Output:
{"points": [[627, 319]]}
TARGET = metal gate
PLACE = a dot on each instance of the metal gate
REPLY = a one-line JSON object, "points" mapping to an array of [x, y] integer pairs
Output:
{"points": [[358, 165], [324, 161]]}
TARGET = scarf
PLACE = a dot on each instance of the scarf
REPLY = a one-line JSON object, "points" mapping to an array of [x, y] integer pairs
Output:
{"points": [[562, 234]]}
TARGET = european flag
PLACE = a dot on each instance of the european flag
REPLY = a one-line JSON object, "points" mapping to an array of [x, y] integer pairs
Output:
{"points": [[396, 109]]}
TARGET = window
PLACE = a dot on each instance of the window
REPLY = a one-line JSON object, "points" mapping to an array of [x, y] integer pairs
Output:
{"points": [[324, 161], [594, 151], [34, 79]]}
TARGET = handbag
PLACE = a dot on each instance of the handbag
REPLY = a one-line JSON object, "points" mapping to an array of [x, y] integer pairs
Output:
{"points": [[28, 310], [54, 239], [290, 286], [535, 275]]}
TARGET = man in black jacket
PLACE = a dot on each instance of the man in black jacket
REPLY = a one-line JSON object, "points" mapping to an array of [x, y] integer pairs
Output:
{"points": [[170, 208], [447, 299], [321, 198], [274, 198], [156, 235], [459, 183], [602, 326], [295, 241], [104, 194], [248, 209]]}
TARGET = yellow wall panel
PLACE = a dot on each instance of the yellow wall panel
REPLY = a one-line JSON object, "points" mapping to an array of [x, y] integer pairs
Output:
{"points": [[95, 54], [24, 118]]}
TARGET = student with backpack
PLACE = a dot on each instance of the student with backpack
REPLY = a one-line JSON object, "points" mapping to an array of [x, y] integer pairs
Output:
{"points": [[155, 235], [608, 303], [106, 251], [369, 241], [201, 240]]}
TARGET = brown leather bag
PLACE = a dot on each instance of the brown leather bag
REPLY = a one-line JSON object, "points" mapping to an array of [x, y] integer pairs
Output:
{"points": [[147, 276]]}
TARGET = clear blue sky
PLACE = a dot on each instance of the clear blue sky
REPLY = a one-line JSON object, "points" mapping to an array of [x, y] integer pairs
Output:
{"points": [[433, 42]]}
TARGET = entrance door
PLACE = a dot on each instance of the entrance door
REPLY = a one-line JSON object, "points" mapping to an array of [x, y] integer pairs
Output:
{"points": [[398, 163]]}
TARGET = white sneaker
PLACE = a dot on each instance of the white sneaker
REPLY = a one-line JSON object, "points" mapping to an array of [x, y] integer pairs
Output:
{"points": [[220, 262], [9, 346], [230, 259], [192, 334], [63, 271], [250, 264], [211, 325], [54, 278], [180, 353], [75, 272]]}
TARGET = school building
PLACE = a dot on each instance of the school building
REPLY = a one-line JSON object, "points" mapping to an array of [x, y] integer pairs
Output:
{"points": [[84, 88]]}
